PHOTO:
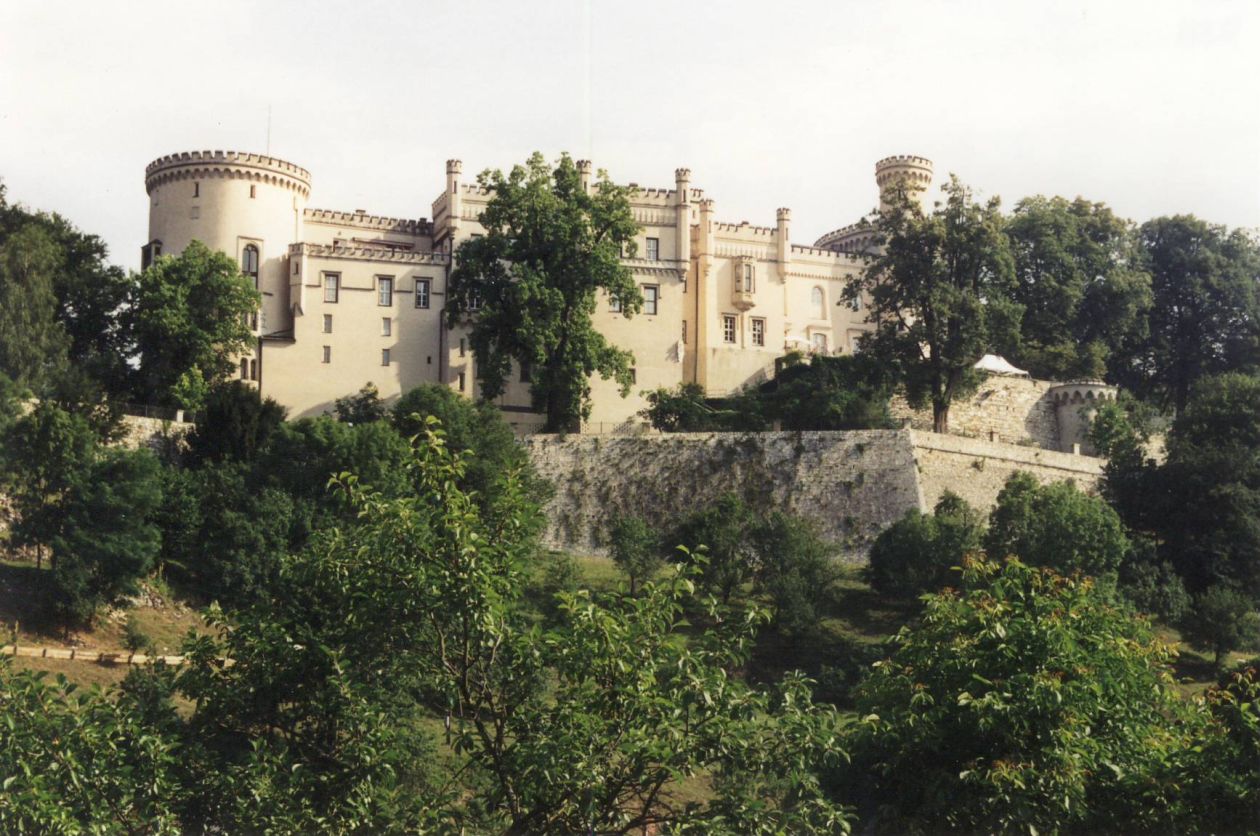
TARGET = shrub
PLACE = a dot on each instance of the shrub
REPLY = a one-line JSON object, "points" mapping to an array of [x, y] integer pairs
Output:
{"points": [[235, 425], [1220, 620], [636, 549], [363, 407], [794, 569], [722, 531], [915, 554]]}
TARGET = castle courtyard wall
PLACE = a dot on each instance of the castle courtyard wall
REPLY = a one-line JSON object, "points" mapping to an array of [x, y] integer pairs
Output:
{"points": [[851, 484], [1012, 410]]}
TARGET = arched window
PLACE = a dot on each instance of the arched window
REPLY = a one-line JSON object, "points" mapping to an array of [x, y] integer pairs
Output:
{"points": [[249, 263], [818, 303]]}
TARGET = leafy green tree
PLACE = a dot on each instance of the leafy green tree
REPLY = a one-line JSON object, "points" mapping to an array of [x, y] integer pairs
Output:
{"points": [[940, 291], [45, 451], [530, 284], [107, 536], [1221, 620], [189, 320], [916, 553], [235, 425], [80, 761], [33, 344], [1120, 432], [1080, 282], [363, 407], [1022, 702], [1058, 527], [685, 409], [1152, 585], [1221, 785], [722, 530], [1205, 317], [636, 549], [795, 569]]}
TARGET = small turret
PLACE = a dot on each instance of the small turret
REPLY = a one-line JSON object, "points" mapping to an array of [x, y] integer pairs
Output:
{"points": [[1075, 405], [584, 174], [783, 218], [914, 174], [682, 216]]}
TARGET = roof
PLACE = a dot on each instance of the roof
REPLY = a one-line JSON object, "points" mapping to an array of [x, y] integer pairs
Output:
{"points": [[994, 364]]}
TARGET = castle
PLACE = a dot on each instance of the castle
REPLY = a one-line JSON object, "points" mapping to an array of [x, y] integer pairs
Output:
{"points": [[351, 298]]}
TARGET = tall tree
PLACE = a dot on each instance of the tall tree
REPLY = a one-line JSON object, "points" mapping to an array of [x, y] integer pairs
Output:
{"points": [[529, 284], [1080, 280], [940, 294], [32, 343], [1206, 314], [188, 317]]}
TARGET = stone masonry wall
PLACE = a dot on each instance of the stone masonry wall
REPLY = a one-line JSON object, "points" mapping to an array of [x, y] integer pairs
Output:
{"points": [[852, 484], [1013, 410], [162, 437]]}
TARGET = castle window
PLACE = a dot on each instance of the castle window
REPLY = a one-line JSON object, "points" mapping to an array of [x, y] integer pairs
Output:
{"points": [[327, 323], [149, 253], [196, 189], [461, 381], [684, 331], [525, 371], [253, 191], [332, 287], [819, 342], [422, 293], [463, 346], [328, 354], [748, 278], [634, 375], [817, 303], [651, 293], [244, 369], [759, 331], [253, 369], [728, 328], [384, 356], [249, 263], [614, 304], [855, 304], [387, 326], [385, 291], [654, 249]]}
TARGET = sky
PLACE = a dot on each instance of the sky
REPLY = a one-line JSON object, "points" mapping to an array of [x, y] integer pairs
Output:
{"points": [[1151, 107]]}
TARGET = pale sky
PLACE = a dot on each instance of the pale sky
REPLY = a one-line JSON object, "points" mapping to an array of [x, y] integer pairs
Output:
{"points": [[1151, 107]]}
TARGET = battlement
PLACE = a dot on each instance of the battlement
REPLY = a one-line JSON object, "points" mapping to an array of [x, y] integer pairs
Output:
{"points": [[804, 250], [903, 160], [362, 220], [844, 234], [186, 164], [663, 197], [745, 228], [384, 254]]}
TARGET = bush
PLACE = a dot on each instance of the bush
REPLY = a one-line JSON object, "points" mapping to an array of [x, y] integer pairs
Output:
{"points": [[915, 554], [1058, 527], [1220, 620], [1152, 585], [795, 568], [636, 549], [135, 638], [722, 532], [364, 407], [1023, 702], [235, 425]]}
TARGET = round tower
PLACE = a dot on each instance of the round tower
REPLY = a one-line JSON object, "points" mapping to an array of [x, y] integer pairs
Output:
{"points": [[1075, 405], [914, 174], [246, 205]]}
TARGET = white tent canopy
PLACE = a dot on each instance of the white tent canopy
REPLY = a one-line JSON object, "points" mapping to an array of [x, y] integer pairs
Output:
{"points": [[994, 364]]}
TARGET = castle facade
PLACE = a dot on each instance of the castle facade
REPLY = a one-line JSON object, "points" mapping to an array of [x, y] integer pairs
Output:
{"points": [[350, 298]]}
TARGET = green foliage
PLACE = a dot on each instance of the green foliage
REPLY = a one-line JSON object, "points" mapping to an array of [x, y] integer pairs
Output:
{"points": [[636, 549], [1220, 620], [135, 638], [1205, 318], [106, 537], [1058, 527], [1152, 584], [723, 529], [1024, 702], [1080, 283], [849, 392], [530, 284], [916, 553], [74, 761], [235, 424], [1222, 780], [794, 568], [363, 407], [686, 410], [33, 344], [940, 295], [189, 320]]}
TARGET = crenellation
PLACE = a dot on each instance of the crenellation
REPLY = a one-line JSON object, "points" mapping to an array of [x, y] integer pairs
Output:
{"points": [[359, 219]]}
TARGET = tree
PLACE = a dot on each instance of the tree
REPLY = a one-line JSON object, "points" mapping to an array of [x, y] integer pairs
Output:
{"points": [[794, 569], [829, 393], [1058, 527], [189, 319], [1220, 620], [1080, 282], [636, 549], [722, 531], [1205, 317], [916, 553], [530, 285], [685, 409], [107, 538], [236, 424], [940, 295], [32, 343], [363, 407], [1025, 702]]}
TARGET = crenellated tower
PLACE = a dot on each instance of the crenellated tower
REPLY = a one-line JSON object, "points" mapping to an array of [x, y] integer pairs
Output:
{"points": [[904, 171]]}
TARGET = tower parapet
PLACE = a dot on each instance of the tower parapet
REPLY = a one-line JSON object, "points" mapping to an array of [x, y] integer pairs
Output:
{"points": [[239, 165], [1075, 405], [903, 171]]}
